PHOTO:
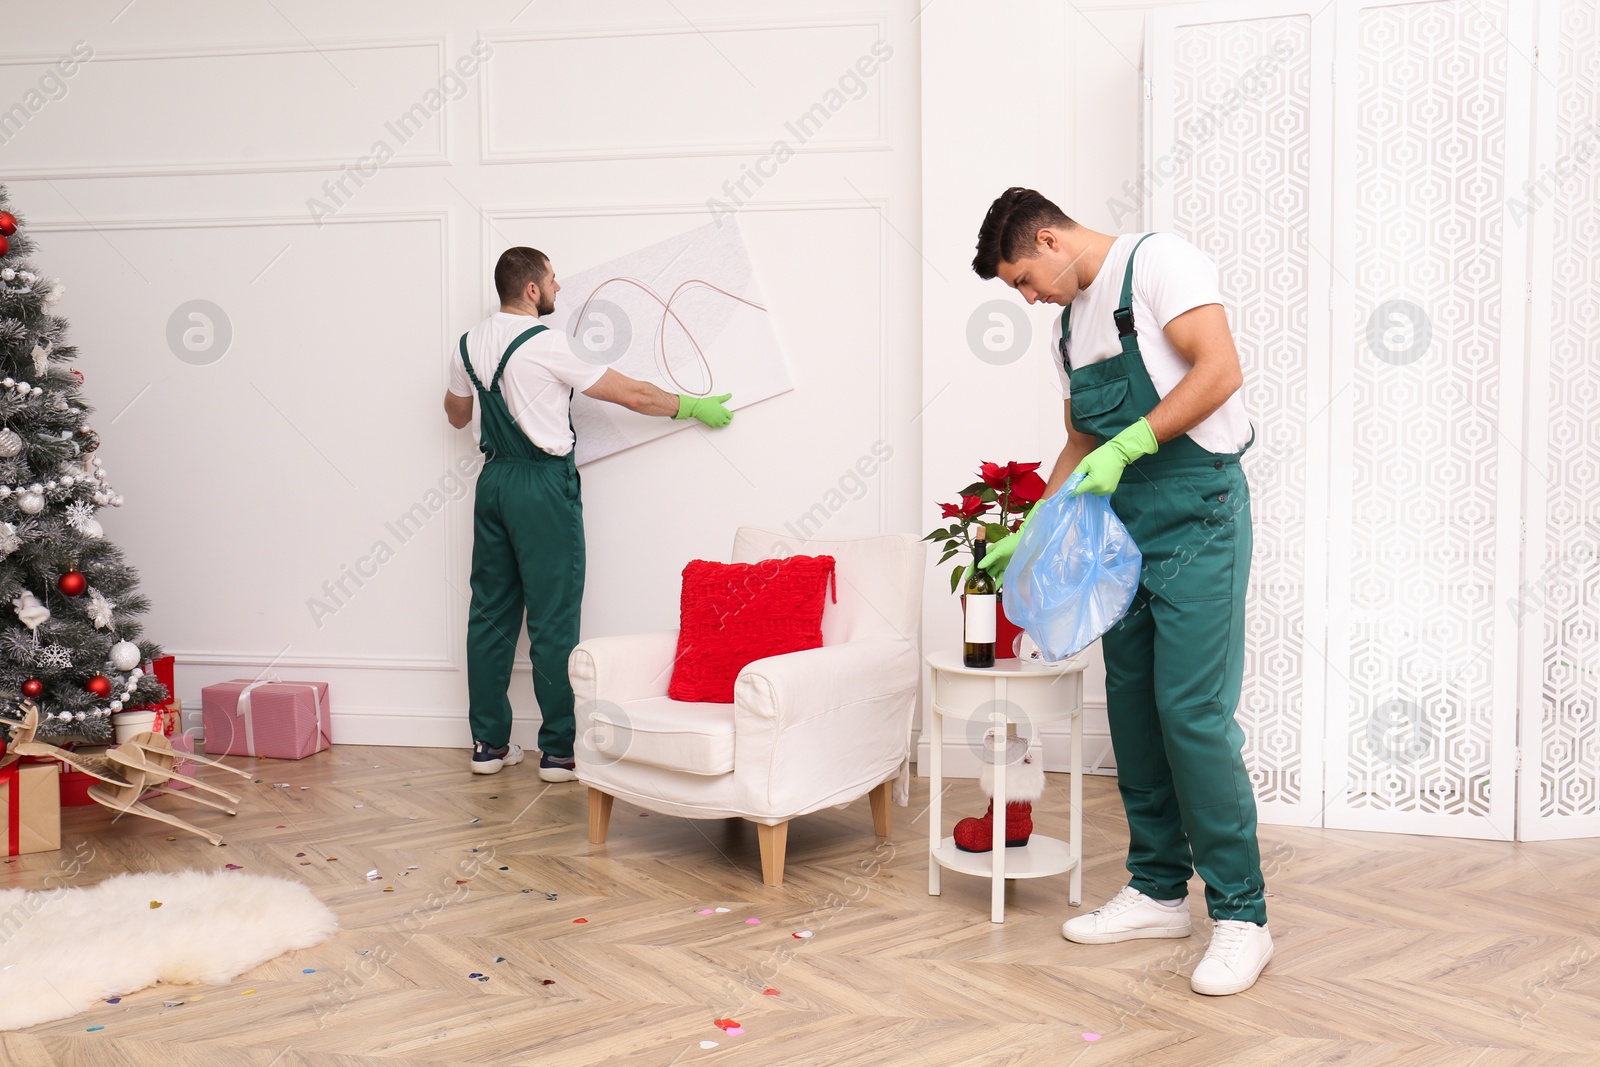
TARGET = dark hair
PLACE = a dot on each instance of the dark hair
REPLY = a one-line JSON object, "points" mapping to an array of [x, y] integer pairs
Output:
{"points": [[1008, 230], [517, 267]]}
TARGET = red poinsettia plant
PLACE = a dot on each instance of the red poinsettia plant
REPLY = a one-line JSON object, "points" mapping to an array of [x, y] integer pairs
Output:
{"points": [[1003, 492]]}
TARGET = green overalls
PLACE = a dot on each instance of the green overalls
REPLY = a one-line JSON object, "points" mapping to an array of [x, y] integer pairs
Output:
{"points": [[527, 554], [1175, 662]]}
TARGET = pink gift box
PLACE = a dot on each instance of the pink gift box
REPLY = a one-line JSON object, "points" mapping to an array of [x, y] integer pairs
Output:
{"points": [[281, 720]]}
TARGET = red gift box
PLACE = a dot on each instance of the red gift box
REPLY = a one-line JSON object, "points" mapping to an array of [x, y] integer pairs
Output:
{"points": [[163, 670], [280, 720]]}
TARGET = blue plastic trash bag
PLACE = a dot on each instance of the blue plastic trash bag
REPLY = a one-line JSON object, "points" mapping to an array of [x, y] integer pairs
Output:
{"points": [[1073, 574]]}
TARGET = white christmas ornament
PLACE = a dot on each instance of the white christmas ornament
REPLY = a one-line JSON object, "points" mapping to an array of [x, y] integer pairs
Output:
{"points": [[116, 705], [31, 503], [79, 514], [41, 357], [30, 610], [79, 716], [125, 655], [65, 716], [10, 443], [53, 657], [92, 528], [100, 609], [57, 291], [9, 541]]}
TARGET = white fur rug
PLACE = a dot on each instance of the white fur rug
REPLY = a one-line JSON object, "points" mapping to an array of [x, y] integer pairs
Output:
{"points": [[61, 950]]}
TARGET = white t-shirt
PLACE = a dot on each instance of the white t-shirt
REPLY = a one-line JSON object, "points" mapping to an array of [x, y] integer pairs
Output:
{"points": [[537, 383], [1170, 276]]}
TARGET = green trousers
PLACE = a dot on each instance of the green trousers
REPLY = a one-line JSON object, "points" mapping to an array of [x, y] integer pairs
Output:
{"points": [[1174, 669], [527, 558]]}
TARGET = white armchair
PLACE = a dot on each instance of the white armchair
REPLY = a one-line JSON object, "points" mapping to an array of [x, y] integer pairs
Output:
{"points": [[806, 730]]}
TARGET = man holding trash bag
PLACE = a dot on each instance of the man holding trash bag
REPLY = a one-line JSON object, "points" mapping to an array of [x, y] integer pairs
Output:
{"points": [[1151, 380]]}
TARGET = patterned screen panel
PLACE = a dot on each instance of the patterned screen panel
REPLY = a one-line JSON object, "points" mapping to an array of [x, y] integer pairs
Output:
{"points": [[1428, 241], [1242, 130], [1569, 588]]}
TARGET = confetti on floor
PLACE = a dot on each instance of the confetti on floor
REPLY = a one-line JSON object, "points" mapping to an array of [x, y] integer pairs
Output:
{"points": [[505, 868], [176, 1003], [705, 911], [708, 1044], [172, 839], [499, 959], [299, 854], [373, 875], [723, 911], [308, 970], [248, 993], [803, 934], [233, 867], [1091, 1037], [388, 889], [114, 1000], [752, 922], [580, 920], [547, 981], [769, 992], [92, 1029], [154, 904], [462, 881], [724, 1024]]}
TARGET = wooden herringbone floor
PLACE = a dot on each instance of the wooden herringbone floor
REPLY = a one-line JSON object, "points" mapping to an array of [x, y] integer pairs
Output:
{"points": [[1390, 950]]}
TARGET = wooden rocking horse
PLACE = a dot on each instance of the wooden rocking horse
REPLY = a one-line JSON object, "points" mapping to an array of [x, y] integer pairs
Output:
{"points": [[143, 764]]}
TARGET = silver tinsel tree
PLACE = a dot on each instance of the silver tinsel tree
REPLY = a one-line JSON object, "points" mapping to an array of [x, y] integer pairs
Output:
{"points": [[69, 604]]}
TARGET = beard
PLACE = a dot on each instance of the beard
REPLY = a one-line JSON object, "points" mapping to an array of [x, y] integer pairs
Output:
{"points": [[546, 305]]}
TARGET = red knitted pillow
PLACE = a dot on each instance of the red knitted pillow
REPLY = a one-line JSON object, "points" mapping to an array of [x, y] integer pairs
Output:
{"points": [[736, 613]]}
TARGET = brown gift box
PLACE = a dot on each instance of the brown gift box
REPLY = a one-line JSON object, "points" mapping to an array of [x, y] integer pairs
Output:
{"points": [[30, 797]]}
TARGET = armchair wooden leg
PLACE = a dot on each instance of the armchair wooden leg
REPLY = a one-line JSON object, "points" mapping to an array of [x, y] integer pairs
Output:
{"points": [[882, 797], [599, 815], [774, 839]]}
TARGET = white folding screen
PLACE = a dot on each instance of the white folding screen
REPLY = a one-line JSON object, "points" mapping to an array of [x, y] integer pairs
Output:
{"points": [[1238, 163], [1557, 600], [1360, 174]]}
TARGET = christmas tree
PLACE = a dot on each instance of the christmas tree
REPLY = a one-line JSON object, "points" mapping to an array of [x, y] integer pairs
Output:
{"points": [[71, 642]]}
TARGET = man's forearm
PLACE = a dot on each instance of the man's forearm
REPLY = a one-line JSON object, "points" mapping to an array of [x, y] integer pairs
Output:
{"points": [[1071, 455], [651, 400], [1201, 392]]}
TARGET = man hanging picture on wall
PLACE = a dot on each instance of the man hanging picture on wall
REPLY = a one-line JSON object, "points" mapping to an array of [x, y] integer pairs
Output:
{"points": [[1154, 419], [527, 529]]}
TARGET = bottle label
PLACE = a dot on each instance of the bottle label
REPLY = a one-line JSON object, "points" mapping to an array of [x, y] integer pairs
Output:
{"points": [[980, 618]]}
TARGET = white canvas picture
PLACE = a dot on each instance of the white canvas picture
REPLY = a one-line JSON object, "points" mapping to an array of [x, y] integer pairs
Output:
{"points": [[687, 315]]}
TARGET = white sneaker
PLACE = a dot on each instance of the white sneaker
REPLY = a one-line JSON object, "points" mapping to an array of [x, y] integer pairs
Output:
{"points": [[486, 760], [1238, 953], [1125, 917]]}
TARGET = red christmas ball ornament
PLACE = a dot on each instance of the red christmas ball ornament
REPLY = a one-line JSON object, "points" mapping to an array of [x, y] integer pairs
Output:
{"points": [[77, 375], [99, 685], [5, 246], [72, 583], [32, 687], [8, 223]]}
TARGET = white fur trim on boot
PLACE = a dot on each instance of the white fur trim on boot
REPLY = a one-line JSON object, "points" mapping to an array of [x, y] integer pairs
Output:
{"points": [[1024, 780]]}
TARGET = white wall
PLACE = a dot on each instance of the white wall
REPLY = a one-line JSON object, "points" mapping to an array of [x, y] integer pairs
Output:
{"points": [[178, 164], [1028, 93]]}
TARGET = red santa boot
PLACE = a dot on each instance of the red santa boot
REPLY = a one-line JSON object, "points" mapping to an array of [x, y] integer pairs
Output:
{"points": [[1024, 785]]}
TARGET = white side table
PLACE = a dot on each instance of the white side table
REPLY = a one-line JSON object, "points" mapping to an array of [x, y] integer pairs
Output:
{"points": [[1009, 692]]}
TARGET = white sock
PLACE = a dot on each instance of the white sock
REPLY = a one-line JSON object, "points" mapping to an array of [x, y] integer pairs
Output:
{"points": [[1170, 903]]}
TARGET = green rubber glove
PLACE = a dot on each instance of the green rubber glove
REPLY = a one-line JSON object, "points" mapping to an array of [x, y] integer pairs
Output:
{"points": [[708, 409], [997, 555], [1102, 468]]}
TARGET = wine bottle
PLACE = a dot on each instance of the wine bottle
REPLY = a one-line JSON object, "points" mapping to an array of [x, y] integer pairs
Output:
{"points": [[978, 650]]}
